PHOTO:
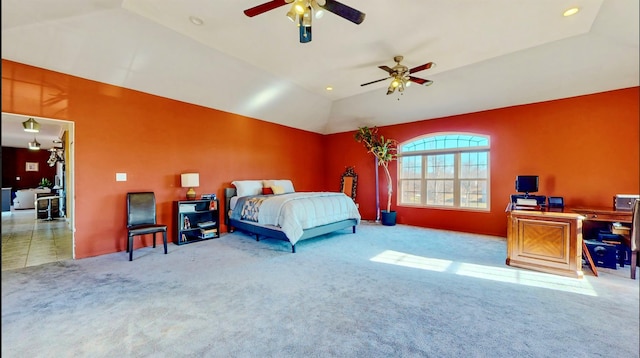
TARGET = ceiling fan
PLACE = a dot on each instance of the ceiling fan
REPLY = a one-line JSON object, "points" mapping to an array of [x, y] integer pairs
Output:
{"points": [[302, 10], [401, 75]]}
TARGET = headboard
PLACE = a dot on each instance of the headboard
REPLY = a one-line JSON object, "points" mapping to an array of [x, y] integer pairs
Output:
{"points": [[228, 193]]}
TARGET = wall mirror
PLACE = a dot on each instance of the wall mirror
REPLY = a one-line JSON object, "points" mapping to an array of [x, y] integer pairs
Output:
{"points": [[348, 183]]}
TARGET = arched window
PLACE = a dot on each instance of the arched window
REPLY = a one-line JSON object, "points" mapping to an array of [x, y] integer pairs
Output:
{"points": [[444, 170]]}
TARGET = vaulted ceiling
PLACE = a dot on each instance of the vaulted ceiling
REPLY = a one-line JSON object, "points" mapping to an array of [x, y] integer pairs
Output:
{"points": [[488, 54]]}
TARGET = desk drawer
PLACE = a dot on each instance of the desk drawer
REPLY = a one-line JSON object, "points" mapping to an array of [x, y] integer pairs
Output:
{"points": [[611, 217]]}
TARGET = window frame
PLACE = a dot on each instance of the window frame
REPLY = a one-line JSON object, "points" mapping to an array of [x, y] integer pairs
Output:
{"points": [[457, 154]]}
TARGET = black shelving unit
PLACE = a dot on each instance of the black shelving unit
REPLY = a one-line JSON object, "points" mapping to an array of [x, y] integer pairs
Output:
{"points": [[196, 220]]}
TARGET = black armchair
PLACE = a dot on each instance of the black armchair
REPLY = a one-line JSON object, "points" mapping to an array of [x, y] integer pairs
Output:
{"points": [[141, 219]]}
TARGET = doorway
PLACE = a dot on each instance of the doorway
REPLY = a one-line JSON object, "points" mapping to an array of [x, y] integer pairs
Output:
{"points": [[27, 240]]}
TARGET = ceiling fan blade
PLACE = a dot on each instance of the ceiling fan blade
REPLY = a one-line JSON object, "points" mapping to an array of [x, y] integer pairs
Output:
{"points": [[386, 68], [257, 10], [305, 32], [420, 81], [426, 66], [344, 11], [368, 83]]}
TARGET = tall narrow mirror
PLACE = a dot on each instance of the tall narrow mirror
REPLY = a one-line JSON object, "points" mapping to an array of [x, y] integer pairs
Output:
{"points": [[348, 183]]}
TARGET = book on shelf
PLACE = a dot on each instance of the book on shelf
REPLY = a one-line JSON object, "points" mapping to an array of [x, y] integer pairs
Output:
{"points": [[206, 224], [206, 234], [187, 208]]}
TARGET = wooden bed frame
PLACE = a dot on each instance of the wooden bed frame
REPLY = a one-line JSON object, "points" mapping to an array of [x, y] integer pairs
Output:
{"points": [[258, 231]]}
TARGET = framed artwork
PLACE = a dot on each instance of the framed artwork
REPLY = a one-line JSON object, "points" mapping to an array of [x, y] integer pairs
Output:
{"points": [[32, 167]]}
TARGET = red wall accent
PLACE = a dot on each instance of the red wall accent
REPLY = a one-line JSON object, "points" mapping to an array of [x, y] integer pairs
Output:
{"points": [[14, 162], [584, 148]]}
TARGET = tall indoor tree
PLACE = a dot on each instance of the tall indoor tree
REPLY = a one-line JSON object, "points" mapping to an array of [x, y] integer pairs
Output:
{"points": [[384, 150]]}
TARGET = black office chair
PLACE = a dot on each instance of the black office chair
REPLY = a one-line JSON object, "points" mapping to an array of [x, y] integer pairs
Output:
{"points": [[141, 219]]}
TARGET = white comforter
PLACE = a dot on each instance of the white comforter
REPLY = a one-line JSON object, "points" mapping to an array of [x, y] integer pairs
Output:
{"points": [[295, 212]]}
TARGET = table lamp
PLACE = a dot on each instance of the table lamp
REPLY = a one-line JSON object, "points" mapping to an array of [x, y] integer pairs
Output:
{"points": [[190, 180]]}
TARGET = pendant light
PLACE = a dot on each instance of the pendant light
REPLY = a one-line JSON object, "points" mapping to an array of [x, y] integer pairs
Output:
{"points": [[31, 125], [35, 145]]}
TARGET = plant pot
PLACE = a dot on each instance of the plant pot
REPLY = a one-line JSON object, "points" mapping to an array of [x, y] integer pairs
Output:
{"points": [[388, 218]]}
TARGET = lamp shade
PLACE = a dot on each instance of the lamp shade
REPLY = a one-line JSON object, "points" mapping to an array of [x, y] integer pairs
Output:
{"points": [[190, 180]]}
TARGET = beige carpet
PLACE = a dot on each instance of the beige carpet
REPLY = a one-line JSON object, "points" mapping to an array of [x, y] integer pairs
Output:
{"points": [[396, 291]]}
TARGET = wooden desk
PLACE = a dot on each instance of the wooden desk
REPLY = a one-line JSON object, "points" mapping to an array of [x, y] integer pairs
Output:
{"points": [[552, 241], [547, 241], [599, 216]]}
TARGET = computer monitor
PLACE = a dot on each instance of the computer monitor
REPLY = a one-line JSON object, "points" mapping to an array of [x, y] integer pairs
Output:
{"points": [[527, 184]]}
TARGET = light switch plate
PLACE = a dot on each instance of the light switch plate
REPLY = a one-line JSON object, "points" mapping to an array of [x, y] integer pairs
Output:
{"points": [[121, 176]]}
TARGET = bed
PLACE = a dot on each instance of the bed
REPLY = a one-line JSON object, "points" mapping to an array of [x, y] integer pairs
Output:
{"points": [[273, 209]]}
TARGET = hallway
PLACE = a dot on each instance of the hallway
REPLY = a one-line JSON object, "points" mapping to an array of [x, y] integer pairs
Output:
{"points": [[30, 242]]}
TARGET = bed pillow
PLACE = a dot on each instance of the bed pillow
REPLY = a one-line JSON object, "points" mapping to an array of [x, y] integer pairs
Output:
{"points": [[286, 184], [248, 187], [277, 189], [267, 183], [267, 191]]}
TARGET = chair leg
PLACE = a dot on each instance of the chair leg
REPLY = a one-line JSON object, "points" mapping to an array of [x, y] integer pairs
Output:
{"points": [[634, 264], [130, 245], [164, 240], [154, 240]]}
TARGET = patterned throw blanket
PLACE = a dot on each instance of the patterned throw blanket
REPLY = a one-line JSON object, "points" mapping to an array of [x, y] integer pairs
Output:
{"points": [[251, 207]]}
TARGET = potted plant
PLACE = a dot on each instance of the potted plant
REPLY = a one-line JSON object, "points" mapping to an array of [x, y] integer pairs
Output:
{"points": [[385, 150], [45, 183]]}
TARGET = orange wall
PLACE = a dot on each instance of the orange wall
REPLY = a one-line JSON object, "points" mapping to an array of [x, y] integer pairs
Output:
{"points": [[583, 148], [153, 140]]}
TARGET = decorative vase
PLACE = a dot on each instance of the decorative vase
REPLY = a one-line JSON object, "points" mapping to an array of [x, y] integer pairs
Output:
{"points": [[388, 218]]}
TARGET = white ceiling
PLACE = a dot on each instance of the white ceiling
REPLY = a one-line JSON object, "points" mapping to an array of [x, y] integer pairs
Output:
{"points": [[13, 134], [488, 54]]}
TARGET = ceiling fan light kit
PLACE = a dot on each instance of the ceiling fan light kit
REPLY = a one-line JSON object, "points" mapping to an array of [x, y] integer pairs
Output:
{"points": [[400, 76], [318, 12], [302, 11]]}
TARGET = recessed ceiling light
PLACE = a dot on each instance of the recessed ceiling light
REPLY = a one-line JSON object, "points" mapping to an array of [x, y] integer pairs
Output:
{"points": [[569, 12], [329, 88], [196, 20]]}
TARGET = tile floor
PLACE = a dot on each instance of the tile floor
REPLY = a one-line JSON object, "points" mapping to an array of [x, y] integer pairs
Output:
{"points": [[30, 242]]}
